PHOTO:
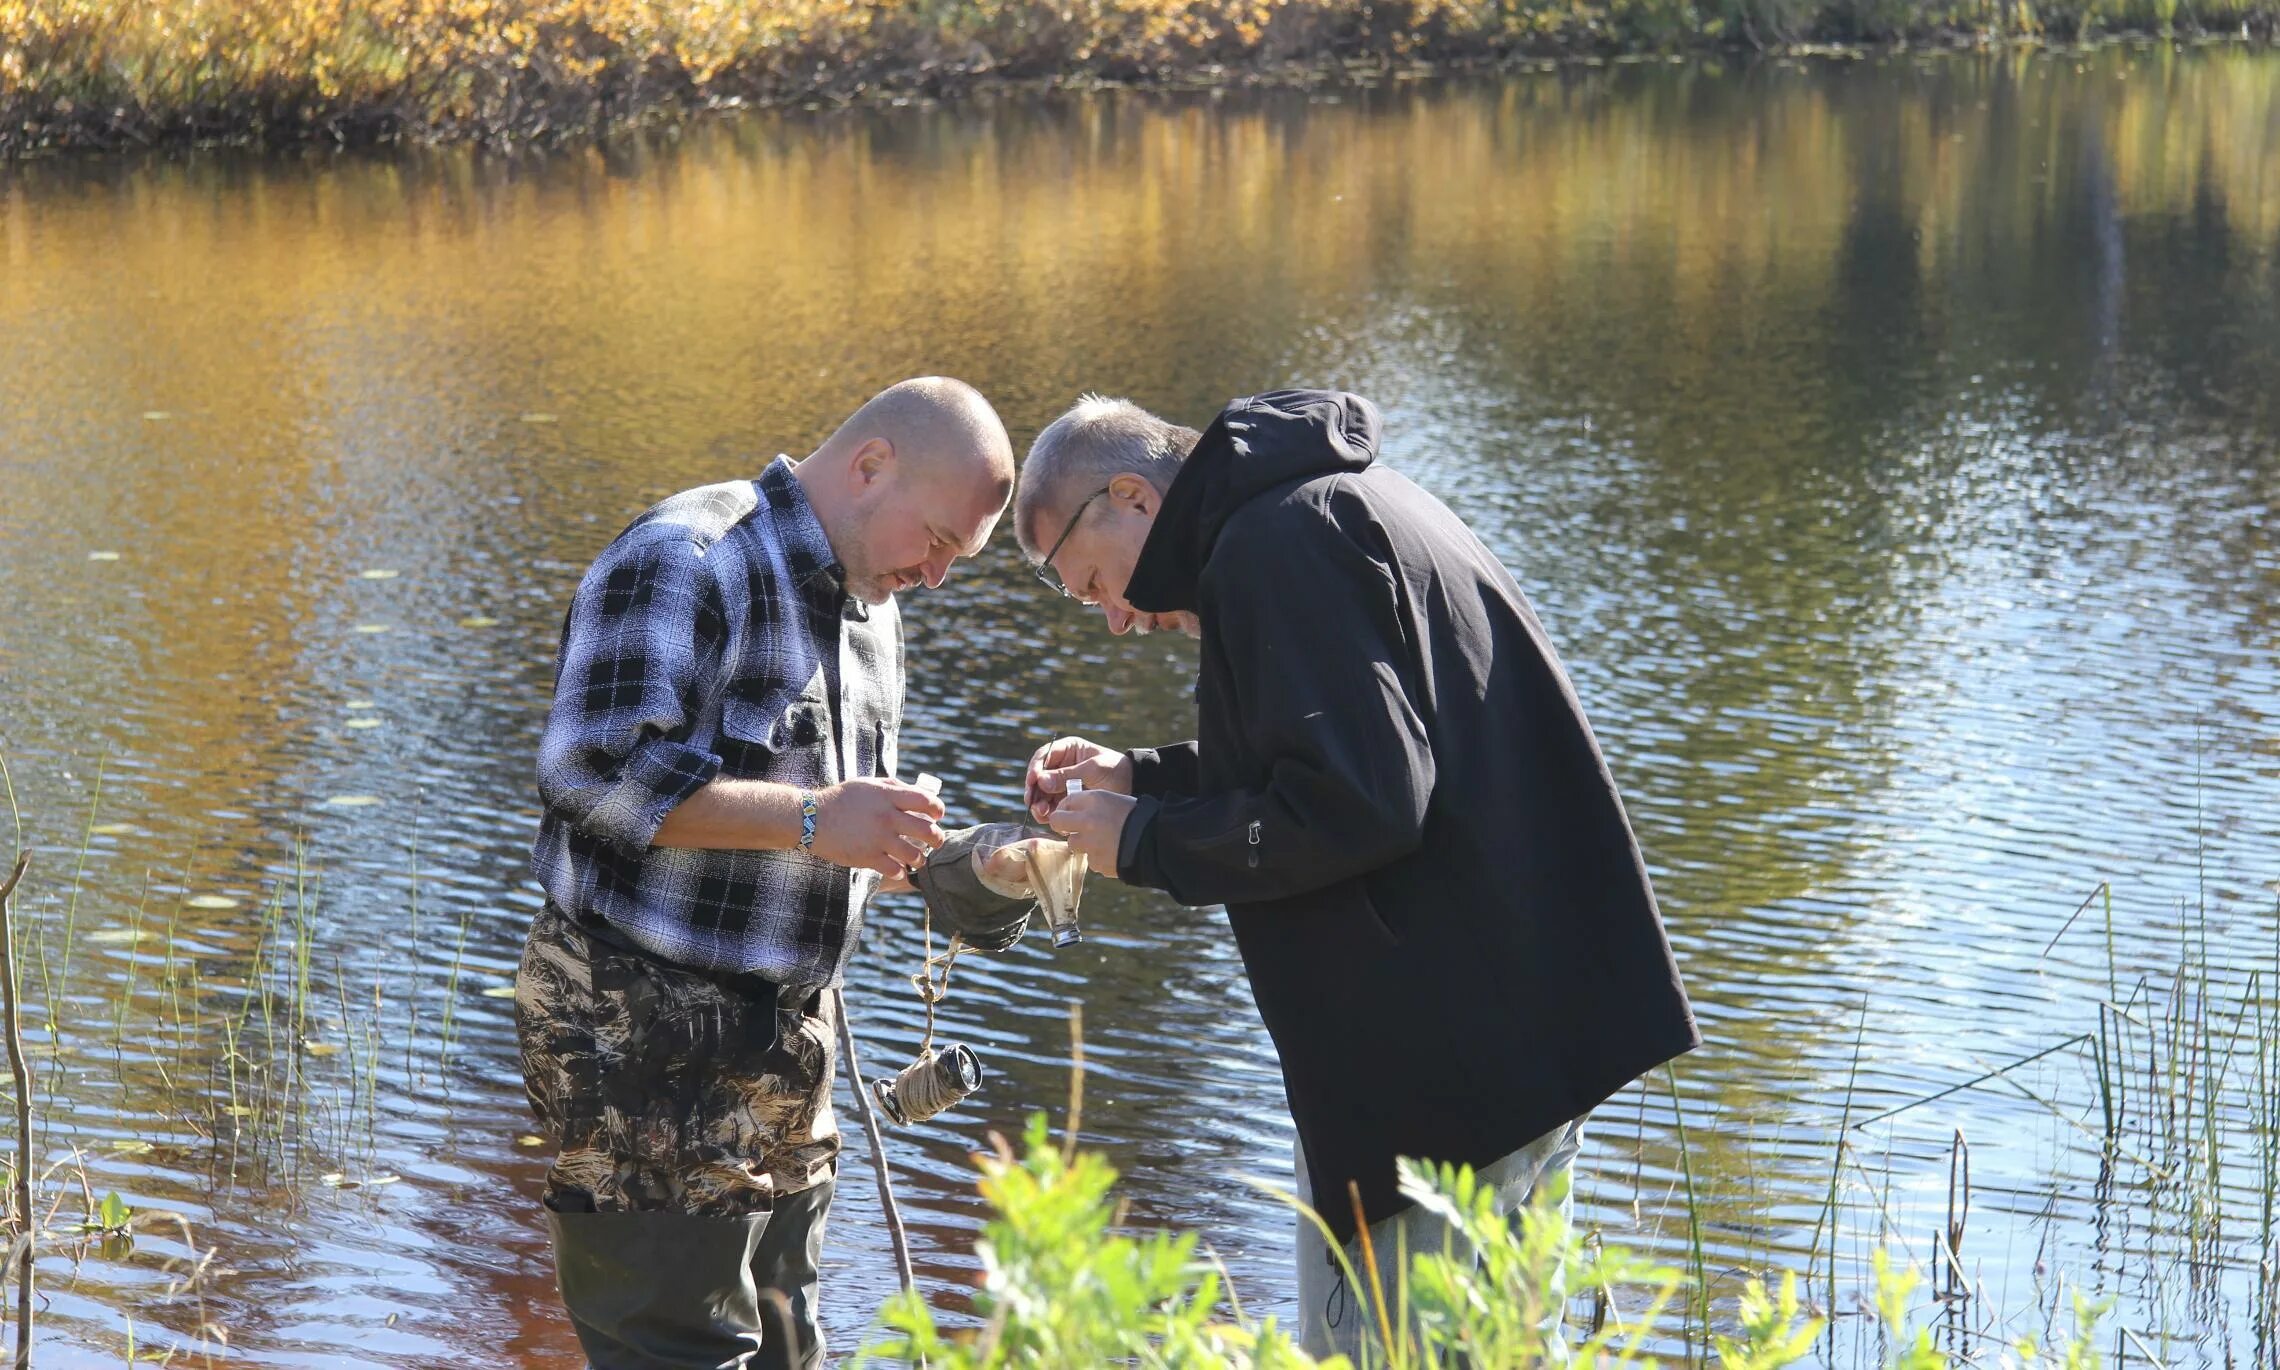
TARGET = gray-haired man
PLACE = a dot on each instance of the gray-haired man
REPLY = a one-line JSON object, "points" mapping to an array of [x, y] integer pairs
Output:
{"points": [[1393, 790]]}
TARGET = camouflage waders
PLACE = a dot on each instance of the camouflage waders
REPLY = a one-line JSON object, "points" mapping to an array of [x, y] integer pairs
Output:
{"points": [[696, 1149]]}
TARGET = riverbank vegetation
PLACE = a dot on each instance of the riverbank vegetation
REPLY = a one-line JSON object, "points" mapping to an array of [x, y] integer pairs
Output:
{"points": [[124, 73]]}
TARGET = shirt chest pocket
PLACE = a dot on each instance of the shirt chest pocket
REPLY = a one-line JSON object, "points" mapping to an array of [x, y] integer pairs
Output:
{"points": [[783, 735]]}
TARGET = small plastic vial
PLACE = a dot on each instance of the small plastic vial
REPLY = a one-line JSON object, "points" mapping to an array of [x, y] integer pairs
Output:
{"points": [[1060, 880]]}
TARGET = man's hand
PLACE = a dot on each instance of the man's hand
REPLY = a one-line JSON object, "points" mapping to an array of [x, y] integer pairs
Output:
{"points": [[879, 825], [1073, 758], [1094, 824]]}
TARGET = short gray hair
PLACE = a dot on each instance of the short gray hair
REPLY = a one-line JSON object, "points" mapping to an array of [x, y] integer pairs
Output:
{"points": [[1080, 452]]}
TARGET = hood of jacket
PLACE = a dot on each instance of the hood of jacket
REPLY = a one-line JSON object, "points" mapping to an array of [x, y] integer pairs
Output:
{"points": [[1256, 444]]}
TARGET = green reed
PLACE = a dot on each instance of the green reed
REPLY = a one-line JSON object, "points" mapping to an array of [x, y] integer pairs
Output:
{"points": [[451, 988], [372, 1075], [2185, 1080], [1699, 1296], [1832, 1212], [412, 974], [134, 965], [71, 906], [2267, 1119], [167, 976], [304, 952], [348, 1049]]}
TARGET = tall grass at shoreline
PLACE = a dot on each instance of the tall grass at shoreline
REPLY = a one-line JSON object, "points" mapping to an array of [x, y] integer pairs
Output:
{"points": [[227, 1033], [110, 73]]}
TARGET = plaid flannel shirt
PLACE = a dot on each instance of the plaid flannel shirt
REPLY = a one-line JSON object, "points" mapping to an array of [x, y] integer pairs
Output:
{"points": [[714, 638]]}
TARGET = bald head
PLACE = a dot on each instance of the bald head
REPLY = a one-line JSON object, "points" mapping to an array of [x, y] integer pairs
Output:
{"points": [[933, 421], [912, 481]]}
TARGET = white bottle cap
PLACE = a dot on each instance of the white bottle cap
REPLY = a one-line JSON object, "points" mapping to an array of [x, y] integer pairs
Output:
{"points": [[932, 784], [1076, 787]]}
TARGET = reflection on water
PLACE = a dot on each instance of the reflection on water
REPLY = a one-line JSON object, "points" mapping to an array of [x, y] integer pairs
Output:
{"points": [[1890, 444]]}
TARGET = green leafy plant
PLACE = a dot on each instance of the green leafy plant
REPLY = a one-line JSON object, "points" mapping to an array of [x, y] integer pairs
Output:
{"points": [[1774, 1331], [2078, 1352], [1060, 1288], [1912, 1347], [110, 1217], [1495, 1295]]}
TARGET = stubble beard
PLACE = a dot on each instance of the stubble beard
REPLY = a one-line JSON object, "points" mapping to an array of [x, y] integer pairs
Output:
{"points": [[864, 581]]}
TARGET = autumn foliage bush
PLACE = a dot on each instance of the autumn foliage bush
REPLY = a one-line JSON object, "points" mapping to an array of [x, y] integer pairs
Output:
{"points": [[78, 72]]}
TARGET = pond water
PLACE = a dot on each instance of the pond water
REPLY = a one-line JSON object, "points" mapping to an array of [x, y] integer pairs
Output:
{"points": [[1890, 444]]}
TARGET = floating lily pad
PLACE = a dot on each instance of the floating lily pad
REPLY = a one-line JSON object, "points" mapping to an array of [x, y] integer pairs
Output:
{"points": [[211, 901], [355, 704], [537, 417], [157, 415], [366, 722], [372, 627], [320, 1048], [530, 1139], [130, 1146], [499, 992], [102, 556], [378, 573], [113, 937], [111, 829], [352, 801], [239, 1110], [478, 621]]}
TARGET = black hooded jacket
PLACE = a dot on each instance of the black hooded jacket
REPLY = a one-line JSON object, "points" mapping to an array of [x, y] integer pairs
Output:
{"points": [[1447, 923]]}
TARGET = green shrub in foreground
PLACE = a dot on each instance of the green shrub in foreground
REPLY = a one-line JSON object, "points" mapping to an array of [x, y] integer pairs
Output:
{"points": [[1062, 1287]]}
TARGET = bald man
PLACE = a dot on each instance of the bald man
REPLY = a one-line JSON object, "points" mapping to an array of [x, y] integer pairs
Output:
{"points": [[718, 776]]}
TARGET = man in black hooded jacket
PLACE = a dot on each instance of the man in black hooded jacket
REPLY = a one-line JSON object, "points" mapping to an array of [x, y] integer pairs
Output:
{"points": [[1447, 923]]}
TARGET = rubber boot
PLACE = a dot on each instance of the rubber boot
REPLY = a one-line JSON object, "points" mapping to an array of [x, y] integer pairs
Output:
{"points": [[670, 1291]]}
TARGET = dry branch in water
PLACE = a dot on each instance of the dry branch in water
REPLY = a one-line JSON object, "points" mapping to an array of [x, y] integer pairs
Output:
{"points": [[22, 1248]]}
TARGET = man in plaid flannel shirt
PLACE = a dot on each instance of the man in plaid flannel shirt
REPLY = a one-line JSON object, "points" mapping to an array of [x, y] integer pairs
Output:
{"points": [[718, 775]]}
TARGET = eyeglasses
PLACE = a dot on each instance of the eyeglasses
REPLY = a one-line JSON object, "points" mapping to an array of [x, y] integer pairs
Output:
{"points": [[1044, 568]]}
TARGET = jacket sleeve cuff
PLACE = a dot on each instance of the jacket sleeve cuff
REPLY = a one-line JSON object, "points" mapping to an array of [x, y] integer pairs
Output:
{"points": [[659, 775], [1136, 860]]}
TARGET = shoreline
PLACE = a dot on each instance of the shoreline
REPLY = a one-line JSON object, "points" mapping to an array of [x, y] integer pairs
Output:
{"points": [[521, 117]]}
